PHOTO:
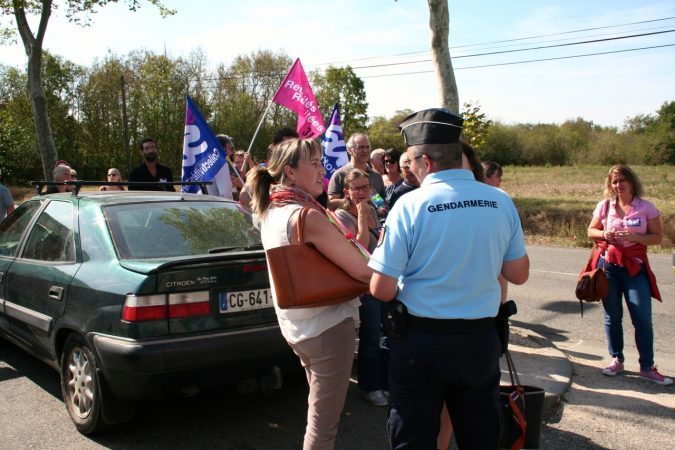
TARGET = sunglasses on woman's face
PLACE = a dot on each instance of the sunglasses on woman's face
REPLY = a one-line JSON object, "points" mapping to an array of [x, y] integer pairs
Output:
{"points": [[389, 161]]}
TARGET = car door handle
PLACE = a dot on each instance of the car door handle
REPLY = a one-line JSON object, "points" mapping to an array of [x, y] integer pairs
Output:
{"points": [[55, 293]]}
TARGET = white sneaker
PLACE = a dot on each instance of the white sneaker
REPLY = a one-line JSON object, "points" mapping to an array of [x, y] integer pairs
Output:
{"points": [[375, 398]]}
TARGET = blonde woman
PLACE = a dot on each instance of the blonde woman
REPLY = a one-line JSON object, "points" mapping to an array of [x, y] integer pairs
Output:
{"points": [[322, 337], [113, 176], [624, 224]]}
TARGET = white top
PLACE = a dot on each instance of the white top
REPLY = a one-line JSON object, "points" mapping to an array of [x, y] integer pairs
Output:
{"points": [[300, 324]]}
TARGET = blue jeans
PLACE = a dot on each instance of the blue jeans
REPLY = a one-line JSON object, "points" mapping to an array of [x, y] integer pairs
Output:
{"points": [[372, 359], [638, 297]]}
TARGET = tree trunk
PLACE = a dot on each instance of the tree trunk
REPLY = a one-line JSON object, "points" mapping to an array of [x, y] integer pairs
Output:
{"points": [[440, 54], [38, 99]]}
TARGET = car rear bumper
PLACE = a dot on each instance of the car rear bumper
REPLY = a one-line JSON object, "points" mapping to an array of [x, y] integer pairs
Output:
{"points": [[141, 369]]}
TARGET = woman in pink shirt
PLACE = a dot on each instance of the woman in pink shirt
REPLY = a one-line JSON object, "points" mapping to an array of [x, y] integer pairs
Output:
{"points": [[624, 224]]}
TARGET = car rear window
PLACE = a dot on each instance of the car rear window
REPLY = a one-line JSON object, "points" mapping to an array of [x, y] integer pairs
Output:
{"points": [[170, 229]]}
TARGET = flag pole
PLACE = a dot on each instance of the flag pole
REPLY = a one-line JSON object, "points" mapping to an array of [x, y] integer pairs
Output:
{"points": [[250, 145], [262, 119]]}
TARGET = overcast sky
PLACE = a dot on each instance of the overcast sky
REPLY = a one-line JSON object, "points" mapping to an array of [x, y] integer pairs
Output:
{"points": [[604, 88]]}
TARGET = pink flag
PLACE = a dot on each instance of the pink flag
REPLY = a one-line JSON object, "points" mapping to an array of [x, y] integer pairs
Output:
{"points": [[296, 94]]}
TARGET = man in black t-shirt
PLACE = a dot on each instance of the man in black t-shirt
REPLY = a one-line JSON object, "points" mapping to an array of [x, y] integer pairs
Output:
{"points": [[150, 170]]}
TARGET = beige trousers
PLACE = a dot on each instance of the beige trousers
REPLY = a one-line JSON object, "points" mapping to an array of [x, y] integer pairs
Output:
{"points": [[327, 360]]}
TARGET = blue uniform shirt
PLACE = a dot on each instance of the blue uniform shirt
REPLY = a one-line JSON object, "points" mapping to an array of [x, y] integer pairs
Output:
{"points": [[446, 242]]}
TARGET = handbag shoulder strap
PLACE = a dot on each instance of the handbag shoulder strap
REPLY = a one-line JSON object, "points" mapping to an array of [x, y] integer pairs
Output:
{"points": [[300, 225], [513, 373], [606, 212]]}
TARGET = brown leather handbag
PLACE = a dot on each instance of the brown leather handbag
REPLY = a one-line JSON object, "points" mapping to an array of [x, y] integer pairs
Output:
{"points": [[304, 278], [592, 285]]}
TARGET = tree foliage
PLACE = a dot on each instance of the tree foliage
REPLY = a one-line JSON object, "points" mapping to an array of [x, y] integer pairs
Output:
{"points": [[242, 93], [85, 105], [33, 41], [341, 85], [86, 110], [476, 124], [384, 133], [645, 140]]}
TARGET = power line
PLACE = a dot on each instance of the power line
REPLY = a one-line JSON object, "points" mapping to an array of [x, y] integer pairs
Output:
{"points": [[569, 32], [401, 63], [276, 74], [523, 62], [615, 33], [499, 41]]}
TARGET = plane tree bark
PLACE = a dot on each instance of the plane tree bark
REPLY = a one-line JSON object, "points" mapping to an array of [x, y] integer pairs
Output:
{"points": [[32, 44], [439, 19]]}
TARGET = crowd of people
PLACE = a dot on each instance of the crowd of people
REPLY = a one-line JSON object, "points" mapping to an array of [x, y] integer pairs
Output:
{"points": [[442, 267], [444, 242]]}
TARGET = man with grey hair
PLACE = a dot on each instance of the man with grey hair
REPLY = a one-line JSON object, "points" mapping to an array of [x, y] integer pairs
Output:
{"points": [[377, 160], [438, 258], [60, 174], [358, 147]]}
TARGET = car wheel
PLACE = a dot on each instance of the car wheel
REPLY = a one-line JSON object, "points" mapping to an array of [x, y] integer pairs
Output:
{"points": [[81, 386]]}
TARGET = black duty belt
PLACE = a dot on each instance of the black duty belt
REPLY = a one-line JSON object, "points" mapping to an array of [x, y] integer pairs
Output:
{"points": [[451, 325]]}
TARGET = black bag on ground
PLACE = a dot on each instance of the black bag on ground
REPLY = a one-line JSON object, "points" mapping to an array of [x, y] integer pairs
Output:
{"points": [[522, 408]]}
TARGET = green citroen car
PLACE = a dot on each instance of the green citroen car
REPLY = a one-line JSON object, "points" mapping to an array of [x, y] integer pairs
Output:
{"points": [[130, 295]]}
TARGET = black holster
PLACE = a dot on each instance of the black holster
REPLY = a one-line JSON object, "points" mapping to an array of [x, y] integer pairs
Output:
{"points": [[506, 310], [396, 319]]}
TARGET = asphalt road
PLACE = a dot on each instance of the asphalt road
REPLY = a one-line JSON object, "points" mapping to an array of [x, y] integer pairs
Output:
{"points": [[546, 303], [599, 412]]}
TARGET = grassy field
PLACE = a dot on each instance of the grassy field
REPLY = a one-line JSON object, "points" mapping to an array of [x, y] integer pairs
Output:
{"points": [[556, 203]]}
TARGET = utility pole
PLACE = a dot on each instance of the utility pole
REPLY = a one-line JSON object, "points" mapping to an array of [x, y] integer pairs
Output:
{"points": [[126, 122]]}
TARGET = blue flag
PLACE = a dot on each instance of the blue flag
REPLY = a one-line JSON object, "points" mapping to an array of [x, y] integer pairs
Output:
{"points": [[333, 144], [203, 157]]}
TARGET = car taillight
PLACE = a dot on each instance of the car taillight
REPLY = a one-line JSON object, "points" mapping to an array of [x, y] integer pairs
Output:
{"points": [[188, 304], [144, 307], [156, 307], [247, 268]]}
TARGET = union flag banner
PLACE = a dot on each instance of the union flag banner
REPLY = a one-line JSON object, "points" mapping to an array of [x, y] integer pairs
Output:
{"points": [[295, 93], [333, 145], [203, 157]]}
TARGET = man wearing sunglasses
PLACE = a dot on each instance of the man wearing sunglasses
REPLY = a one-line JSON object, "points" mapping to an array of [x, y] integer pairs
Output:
{"points": [[410, 181]]}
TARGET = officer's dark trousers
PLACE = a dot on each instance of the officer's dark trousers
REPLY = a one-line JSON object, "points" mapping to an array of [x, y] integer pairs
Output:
{"points": [[428, 368]]}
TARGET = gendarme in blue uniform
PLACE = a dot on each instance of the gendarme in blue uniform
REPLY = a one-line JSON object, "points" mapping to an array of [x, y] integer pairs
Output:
{"points": [[446, 243]]}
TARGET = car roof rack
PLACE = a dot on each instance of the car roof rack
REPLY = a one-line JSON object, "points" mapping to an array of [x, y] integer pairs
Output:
{"points": [[77, 184]]}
